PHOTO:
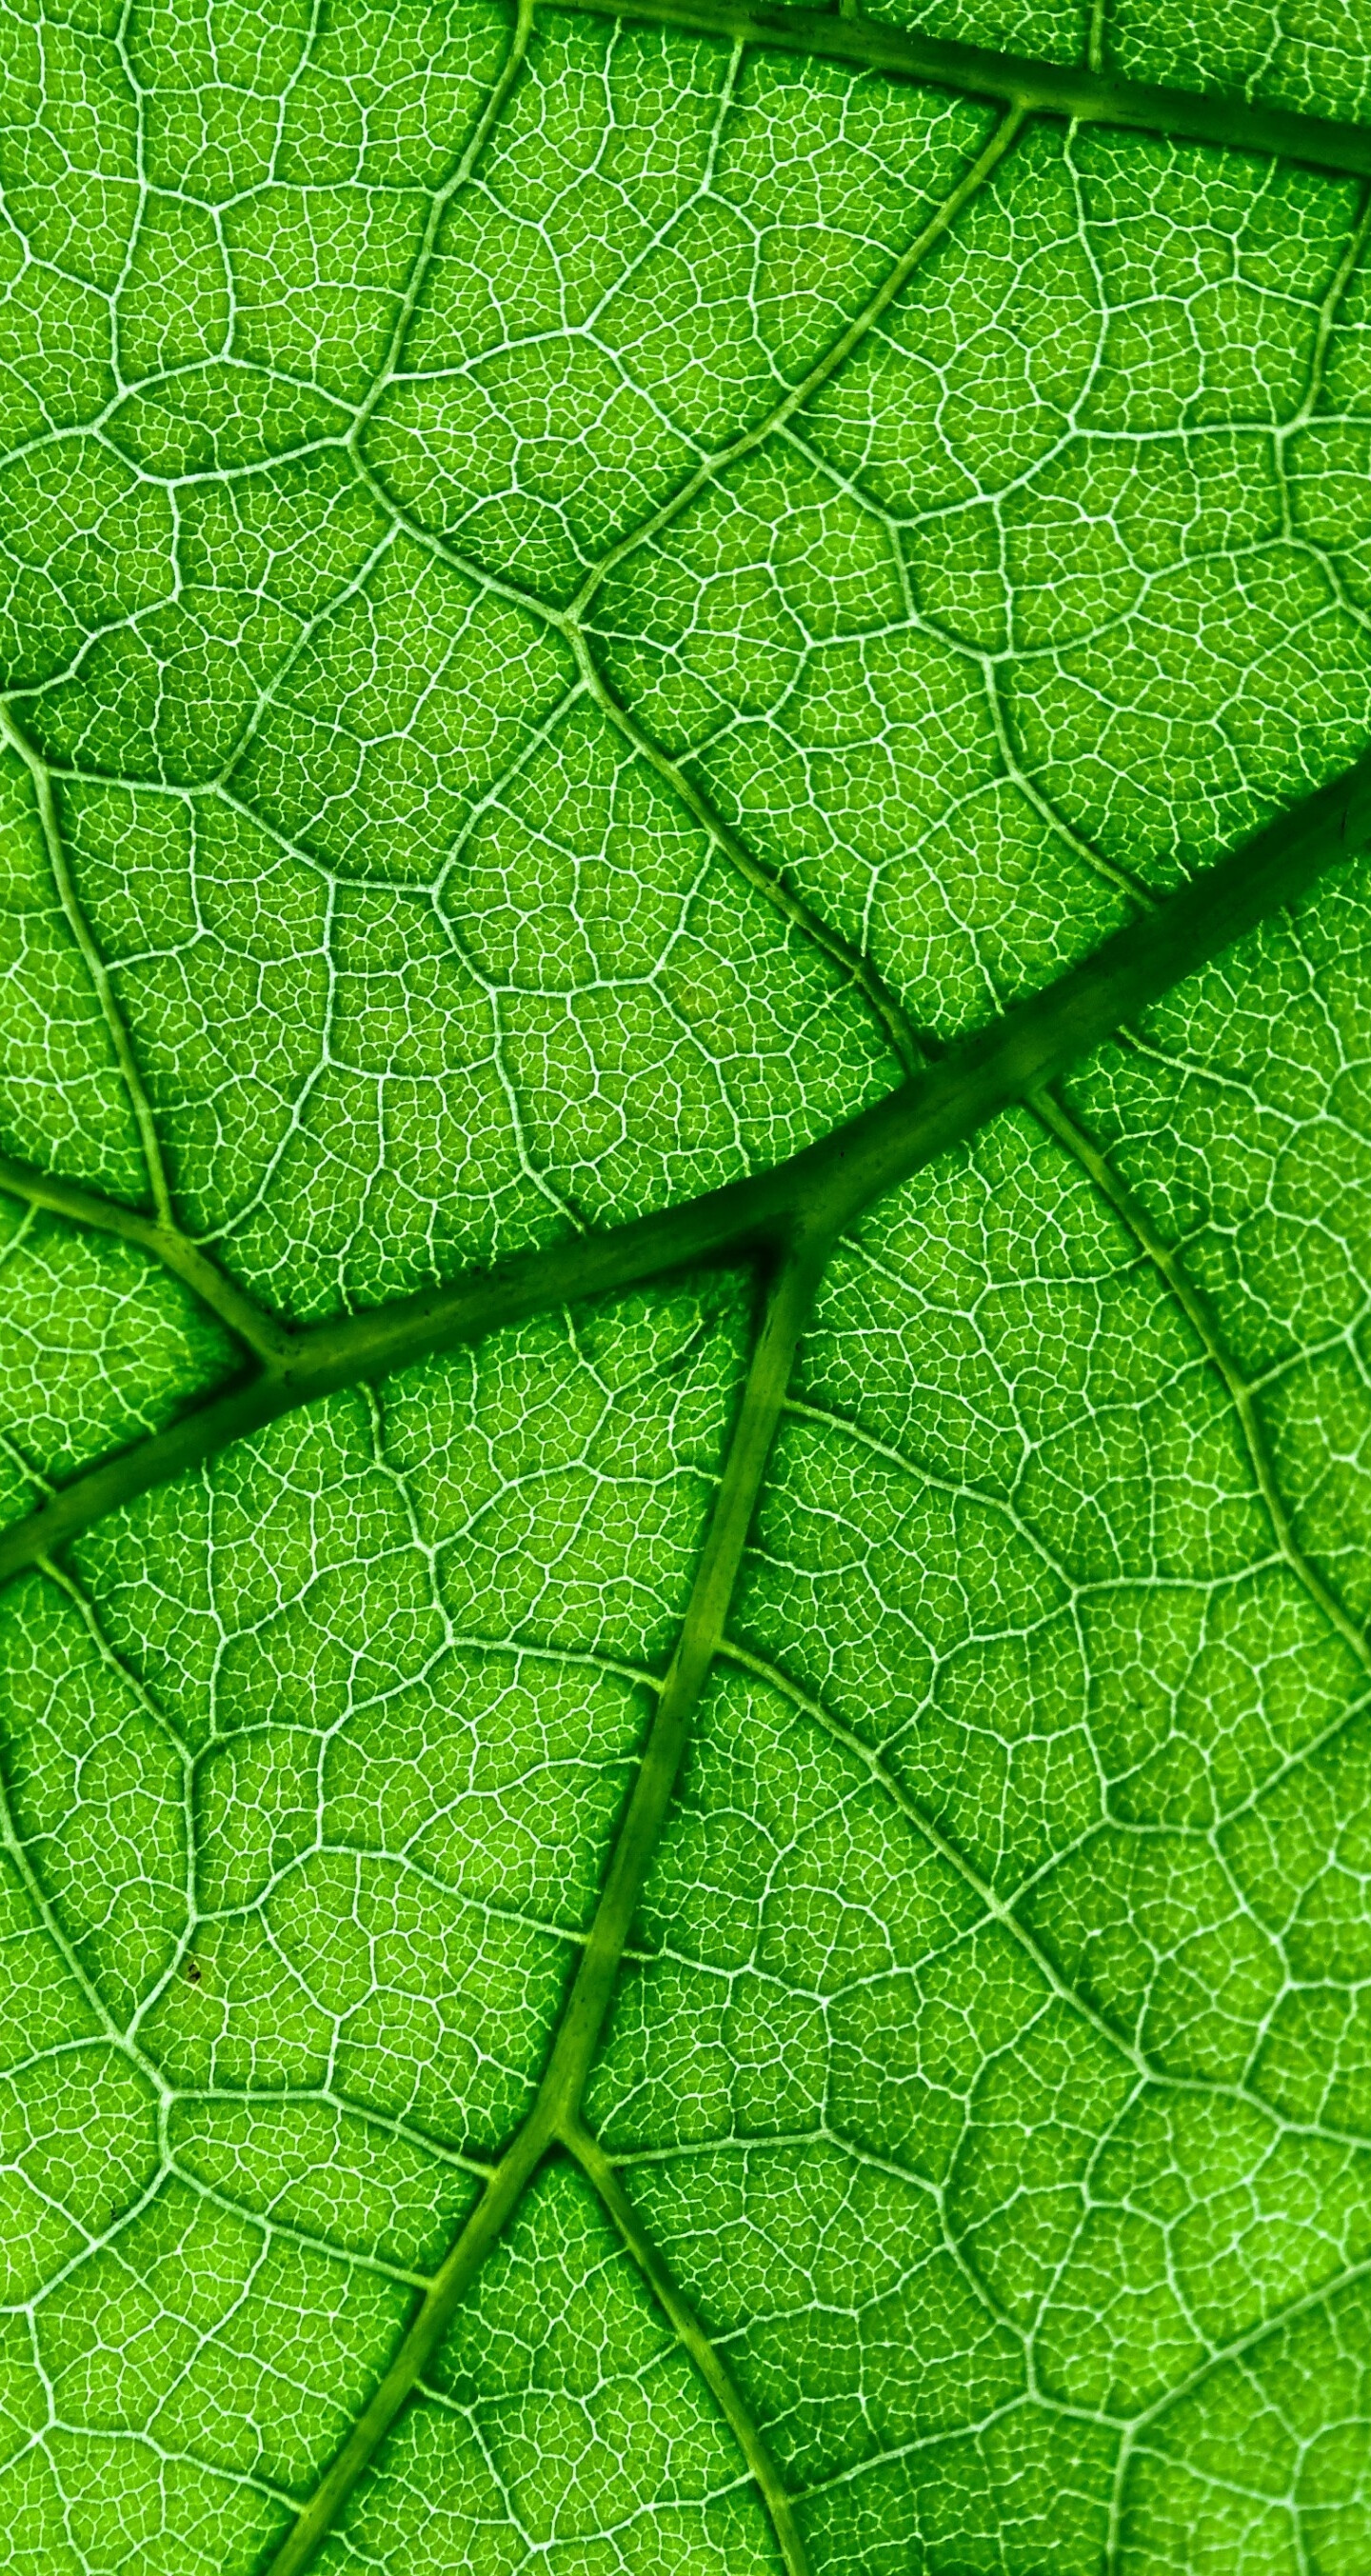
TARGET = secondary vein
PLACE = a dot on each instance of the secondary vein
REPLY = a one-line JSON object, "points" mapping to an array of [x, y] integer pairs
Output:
{"points": [[263, 1335], [555, 2115], [1170, 1267], [823, 1187], [94, 963], [690, 2334], [1090, 96]]}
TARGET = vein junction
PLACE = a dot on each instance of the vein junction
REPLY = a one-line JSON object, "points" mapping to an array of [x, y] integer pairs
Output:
{"points": [[780, 1223]]}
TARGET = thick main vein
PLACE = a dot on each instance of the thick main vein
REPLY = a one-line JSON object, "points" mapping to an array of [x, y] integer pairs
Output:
{"points": [[826, 1184], [803, 1202], [1093, 97], [555, 2116]]}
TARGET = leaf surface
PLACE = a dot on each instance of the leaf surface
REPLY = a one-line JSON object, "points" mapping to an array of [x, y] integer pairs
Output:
{"points": [[683, 1471]]}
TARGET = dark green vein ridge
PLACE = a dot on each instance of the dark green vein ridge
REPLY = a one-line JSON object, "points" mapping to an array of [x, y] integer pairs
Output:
{"points": [[690, 2334], [823, 1187], [801, 1205], [570, 621], [1049, 89], [161, 1239], [773, 889], [554, 2118]]}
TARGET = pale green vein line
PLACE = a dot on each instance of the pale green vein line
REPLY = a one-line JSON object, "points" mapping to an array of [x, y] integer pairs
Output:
{"points": [[774, 2141], [771, 2141], [1102, 2417], [139, 2439], [438, 204], [777, 2141], [791, 908], [48, 2052], [1240, 2345], [12, 1841], [499, 585], [822, 1188], [405, 1866], [1170, 1267], [270, 2225], [161, 1237], [14, 1241], [252, 2097], [1000, 1504], [132, 1683], [571, 1659], [270, 690], [96, 2242], [556, 2106], [1122, 879], [1302, 1754], [825, 366], [1328, 315], [995, 1908], [691, 2335], [94, 964], [936, 2439], [1001, 1910], [22, 1467], [1090, 95]]}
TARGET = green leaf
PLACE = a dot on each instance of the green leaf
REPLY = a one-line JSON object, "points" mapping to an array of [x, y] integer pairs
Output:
{"points": [[685, 1222]]}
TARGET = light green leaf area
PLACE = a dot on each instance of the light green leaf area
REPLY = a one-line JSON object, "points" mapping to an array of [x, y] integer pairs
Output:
{"points": [[578, 602]]}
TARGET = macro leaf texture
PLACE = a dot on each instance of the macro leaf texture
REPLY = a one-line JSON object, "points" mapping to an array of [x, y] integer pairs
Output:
{"points": [[685, 1288]]}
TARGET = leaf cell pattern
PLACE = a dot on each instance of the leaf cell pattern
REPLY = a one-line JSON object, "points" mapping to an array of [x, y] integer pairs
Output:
{"points": [[684, 1871]]}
